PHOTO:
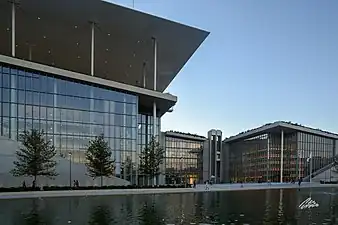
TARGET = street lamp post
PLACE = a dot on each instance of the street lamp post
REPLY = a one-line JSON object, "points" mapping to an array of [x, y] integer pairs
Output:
{"points": [[181, 168], [70, 169]]}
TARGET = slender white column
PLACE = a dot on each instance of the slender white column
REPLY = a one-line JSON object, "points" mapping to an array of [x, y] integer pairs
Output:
{"points": [[281, 156], [92, 50], [30, 53], [144, 75], [13, 28], [155, 85], [155, 64]]}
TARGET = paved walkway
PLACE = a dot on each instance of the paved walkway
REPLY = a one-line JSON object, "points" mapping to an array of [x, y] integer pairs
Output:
{"points": [[199, 188]]}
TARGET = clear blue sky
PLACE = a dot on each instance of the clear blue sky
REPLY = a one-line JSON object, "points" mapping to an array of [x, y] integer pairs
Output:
{"points": [[263, 61]]}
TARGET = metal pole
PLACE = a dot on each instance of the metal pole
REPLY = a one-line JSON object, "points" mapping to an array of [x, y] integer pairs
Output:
{"points": [[311, 167], [268, 164], [155, 86], [13, 28], [92, 50], [144, 74], [281, 157], [155, 63], [70, 169]]}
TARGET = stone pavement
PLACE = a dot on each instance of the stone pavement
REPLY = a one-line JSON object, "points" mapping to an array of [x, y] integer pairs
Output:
{"points": [[199, 188]]}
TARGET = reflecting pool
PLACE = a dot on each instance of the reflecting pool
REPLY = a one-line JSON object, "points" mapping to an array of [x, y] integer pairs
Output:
{"points": [[230, 207]]}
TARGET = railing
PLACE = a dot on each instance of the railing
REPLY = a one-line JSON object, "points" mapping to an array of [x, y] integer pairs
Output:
{"points": [[321, 170]]}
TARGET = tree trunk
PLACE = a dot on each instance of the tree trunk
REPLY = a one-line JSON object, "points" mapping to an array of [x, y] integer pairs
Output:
{"points": [[101, 181]]}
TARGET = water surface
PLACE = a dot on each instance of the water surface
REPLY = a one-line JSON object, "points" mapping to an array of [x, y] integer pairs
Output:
{"points": [[232, 207]]}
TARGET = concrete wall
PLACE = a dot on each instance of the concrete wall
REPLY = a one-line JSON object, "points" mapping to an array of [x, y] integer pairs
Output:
{"points": [[78, 170], [206, 158]]}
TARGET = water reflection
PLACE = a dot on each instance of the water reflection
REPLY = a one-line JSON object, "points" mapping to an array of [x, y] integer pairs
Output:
{"points": [[149, 215], [235, 207], [101, 215], [35, 216]]}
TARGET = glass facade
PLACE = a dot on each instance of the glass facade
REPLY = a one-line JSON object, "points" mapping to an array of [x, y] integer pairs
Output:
{"points": [[183, 160], [70, 113], [145, 133], [259, 158]]}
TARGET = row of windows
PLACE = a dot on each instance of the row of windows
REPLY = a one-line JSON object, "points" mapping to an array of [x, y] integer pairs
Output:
{"points": [[25, 80], [66, 115], [62, 101], [14, 125], [309, 138]]}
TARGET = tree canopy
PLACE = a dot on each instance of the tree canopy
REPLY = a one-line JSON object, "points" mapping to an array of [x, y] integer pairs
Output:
{"points": [[151, 158], [99, 161], [35, 157]]}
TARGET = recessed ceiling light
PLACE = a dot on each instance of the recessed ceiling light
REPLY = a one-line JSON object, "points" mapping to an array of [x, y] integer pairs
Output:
{"points": [[39, 18], [107, 49], [78, 57], [16, 45], [108, 34], [138, 42], [134, 54], [105, 62], [77, 43], [130, 66], [7, 29], [75, 26], [49, 51], [44, 36]]}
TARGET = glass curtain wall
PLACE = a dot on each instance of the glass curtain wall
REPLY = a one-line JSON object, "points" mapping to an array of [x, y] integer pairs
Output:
{"points": [[322, 150], [182, 160], [70, 113], [145, 133], [257, 159]]}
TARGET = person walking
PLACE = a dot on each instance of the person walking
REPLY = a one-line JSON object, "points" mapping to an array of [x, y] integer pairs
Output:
{"points": [[206, 185]]}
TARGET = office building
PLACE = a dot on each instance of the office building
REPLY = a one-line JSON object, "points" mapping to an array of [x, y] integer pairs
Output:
{"points": [[277, 152], [183, 157], [77, 69]]}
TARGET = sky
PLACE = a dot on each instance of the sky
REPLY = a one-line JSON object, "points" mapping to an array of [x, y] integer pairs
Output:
{"points": [[263, 61]]}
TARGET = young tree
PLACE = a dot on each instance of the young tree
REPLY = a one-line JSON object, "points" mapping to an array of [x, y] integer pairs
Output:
{"points": [[151, 158], [99, 161], [127, 168], [35, 157]]}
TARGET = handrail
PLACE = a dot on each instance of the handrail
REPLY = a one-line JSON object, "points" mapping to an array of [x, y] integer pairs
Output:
{"points": [[319, 171]]}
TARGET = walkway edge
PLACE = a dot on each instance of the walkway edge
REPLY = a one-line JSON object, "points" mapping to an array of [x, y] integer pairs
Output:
{"points": [[114, 192]]}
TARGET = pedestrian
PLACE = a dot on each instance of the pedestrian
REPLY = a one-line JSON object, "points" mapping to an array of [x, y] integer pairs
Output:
{"points": [[194, 184], [77, 183], [300, 181], [207, 185], [24, 185]]}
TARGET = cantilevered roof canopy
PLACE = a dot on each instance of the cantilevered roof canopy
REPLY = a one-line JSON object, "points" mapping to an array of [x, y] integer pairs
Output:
{"points": [[58, 33], [278, 127]]}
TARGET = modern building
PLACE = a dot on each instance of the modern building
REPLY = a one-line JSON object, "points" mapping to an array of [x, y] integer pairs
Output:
{"points": [[183, 157], [212, 156], [77, 69], [278, 152]]}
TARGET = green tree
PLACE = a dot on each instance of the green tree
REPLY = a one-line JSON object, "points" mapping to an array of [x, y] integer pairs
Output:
{"points": [[127, 168], [151, 158], [99, 162], [35, 157]]}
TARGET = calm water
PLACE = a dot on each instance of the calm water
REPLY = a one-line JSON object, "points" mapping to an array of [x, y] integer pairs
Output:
{"points": [[236, 207]]}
